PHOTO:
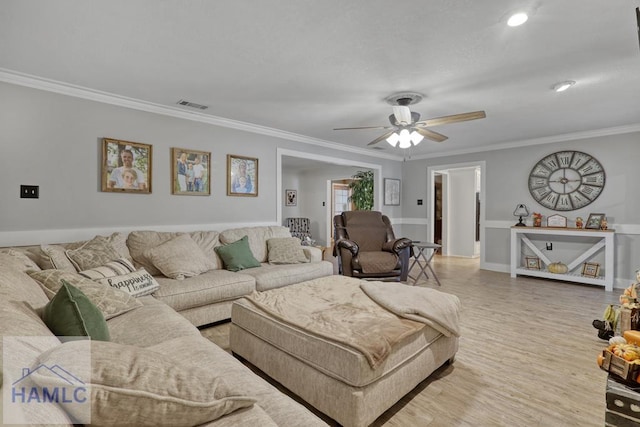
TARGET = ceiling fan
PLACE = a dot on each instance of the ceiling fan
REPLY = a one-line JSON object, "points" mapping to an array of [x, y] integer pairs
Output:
{"points": [[407, 128]]}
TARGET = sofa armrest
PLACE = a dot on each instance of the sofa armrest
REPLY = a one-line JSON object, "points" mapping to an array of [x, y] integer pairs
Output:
{"points": [[314, 254], [396, 245]]}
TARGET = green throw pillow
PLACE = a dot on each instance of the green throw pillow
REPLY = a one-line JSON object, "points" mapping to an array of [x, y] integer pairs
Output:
{"points": [[237, 256], [71, 313]]}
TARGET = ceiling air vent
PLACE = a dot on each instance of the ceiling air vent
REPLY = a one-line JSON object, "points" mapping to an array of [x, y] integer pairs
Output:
{"points": [[192, 105]]}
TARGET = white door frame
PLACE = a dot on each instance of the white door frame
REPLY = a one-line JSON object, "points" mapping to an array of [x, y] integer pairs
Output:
{"points": [[431, 171], [377, 174]]}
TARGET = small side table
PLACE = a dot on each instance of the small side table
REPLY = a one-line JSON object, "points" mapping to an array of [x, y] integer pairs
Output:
{"points": [[422, 258]]}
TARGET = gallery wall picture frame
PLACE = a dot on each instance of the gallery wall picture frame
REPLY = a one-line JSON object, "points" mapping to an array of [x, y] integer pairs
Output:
{"points": [[190, 172], [242, 176], [126, 166], [291, 198], [532, 263], [594, 222], [591, 269], [391, 192]]}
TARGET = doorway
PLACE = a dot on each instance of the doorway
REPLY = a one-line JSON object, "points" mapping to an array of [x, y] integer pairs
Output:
{"points": [[456, 208]]}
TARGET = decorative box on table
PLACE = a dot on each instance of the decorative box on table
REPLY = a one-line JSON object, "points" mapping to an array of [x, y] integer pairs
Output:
{"points": [[623, 404]]}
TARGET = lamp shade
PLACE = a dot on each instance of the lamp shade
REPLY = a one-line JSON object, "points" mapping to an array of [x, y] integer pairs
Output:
{"points": [[521, 210]]}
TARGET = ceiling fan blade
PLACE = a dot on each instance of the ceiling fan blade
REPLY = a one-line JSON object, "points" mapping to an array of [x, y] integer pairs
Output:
{"points": [[453, 118], [381, 138], [429, 134], [364, 127], [402, 113]]}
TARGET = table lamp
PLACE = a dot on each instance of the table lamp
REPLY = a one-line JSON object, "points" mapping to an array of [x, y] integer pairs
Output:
{"points": [[521, 211]]}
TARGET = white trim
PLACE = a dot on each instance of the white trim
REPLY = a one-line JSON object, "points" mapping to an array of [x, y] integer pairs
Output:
{"points": [[20, 79], [37, 237], [617, 130], [35, 82], [409, 221], [619, 228]]}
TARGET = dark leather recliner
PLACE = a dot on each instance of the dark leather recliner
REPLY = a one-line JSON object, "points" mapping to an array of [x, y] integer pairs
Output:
{"points": [[366, 246]]}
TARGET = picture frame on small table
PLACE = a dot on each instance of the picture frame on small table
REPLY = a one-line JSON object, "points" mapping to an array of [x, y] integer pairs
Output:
{"points": [[591, 269], [557, 221], [594, 222], [532, 263]]}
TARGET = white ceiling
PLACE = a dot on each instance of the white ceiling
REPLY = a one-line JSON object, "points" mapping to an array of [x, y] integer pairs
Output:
{"points": [[306, 67]]}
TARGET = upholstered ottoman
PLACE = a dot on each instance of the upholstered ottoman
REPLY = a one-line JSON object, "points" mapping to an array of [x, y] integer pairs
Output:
{"points": [[328, 342]]}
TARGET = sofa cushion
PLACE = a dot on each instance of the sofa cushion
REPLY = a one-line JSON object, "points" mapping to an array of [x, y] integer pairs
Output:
{"points": [[114, 268], [139, 241], [153, 323], [17, 285], [285, 250], [111, 302], [275, 276], [258, 237], [94, 253], [138, 283], [53, 256], [237, 255], [14, 258], [23, 337], [136, 386], [179, 258], [70, 313], [207, 288]]}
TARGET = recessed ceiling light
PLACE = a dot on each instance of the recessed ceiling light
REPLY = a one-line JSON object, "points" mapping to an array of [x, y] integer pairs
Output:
{"points": [[562, 86], [517, 19]]}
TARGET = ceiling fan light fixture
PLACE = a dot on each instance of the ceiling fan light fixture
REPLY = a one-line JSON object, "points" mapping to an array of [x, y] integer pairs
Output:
{"points": [[393, 139], [416, 138], [405, 139], [517, 19], [562, 86]]}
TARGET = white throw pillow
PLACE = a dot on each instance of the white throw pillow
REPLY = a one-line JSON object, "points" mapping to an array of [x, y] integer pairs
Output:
{"points": [[286, 250], [180, 257], [138, 283], [114, 268]]}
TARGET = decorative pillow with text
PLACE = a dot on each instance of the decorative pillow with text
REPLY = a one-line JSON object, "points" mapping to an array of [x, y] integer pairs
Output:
{"points": [[138, 283]]}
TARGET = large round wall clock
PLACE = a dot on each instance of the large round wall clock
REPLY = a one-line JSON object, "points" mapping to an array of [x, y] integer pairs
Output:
{"points": [[566, 180]]}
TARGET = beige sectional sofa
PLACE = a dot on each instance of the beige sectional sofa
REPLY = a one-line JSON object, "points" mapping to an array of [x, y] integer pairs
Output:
{"points": [[200, 384]]}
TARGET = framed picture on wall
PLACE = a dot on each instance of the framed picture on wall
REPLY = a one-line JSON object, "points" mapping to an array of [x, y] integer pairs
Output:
{"points": [[126, 166], [190, 172], [391, 192], [291, 198], [242, 176]]}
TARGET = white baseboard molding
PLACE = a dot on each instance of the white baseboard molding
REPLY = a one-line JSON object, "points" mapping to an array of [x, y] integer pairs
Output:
{"points": [[37, 237]]}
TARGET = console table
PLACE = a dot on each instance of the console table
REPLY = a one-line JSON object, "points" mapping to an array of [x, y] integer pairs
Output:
{"points": [[605, 242]]}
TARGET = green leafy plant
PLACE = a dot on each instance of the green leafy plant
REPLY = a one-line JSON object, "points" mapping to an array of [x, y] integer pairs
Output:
{"points": [[362, 190]]}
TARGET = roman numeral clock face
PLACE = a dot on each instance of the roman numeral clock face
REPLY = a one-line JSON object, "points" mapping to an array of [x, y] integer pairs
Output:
{"points": [[566, 180]]}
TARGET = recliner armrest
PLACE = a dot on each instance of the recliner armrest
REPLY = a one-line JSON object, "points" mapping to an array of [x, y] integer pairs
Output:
{"points": [[396, 245], [349, 245]]}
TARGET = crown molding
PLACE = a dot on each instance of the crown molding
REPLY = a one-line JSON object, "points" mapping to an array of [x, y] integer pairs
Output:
{"points": [[617, 130], [35, 82]]}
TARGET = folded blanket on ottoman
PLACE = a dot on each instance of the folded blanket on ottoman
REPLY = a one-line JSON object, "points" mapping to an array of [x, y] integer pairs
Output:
{"points": [[340, 311], [437, 309]]}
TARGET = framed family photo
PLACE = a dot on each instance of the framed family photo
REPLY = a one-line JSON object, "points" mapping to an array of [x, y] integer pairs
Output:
{"points": [[391, 192], [291, 198], [126, 166], [242, 176], [190, 172]]}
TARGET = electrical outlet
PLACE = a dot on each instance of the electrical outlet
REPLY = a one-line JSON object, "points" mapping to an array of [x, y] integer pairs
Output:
{"points": [[29, 191], [549, 246]]}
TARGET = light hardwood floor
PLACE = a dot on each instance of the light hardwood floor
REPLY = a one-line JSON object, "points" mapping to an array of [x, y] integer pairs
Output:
{"points": [[527, 354]]}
